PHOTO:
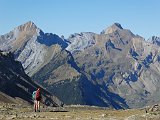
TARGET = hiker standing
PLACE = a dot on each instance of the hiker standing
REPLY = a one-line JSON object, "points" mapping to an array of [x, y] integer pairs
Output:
{"points": [[34, 100], [36, 96], [38, 99]]}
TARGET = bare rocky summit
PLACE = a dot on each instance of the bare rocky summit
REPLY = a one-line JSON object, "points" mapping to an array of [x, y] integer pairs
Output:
{"points": [[31, 46], [112, 28]]}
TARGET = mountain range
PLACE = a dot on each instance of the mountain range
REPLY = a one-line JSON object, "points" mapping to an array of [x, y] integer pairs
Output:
{"points": [[115, 68]]}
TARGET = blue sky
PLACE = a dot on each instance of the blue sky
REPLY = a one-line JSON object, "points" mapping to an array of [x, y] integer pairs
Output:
{"points": [[64, 17]]}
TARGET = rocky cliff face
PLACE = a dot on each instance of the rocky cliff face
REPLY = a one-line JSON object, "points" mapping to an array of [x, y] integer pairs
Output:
{"points": [[31, 46], [16, 86], [116, 68]]}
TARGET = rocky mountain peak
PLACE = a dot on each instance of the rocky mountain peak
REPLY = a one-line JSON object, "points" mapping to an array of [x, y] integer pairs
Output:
{"points": [[27, 26], [80, 41], [117, 25], [112, 28], [155, 40]]}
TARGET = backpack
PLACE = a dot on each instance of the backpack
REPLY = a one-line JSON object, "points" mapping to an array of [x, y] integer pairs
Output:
{"points": [[33, 95], [38, 95]]}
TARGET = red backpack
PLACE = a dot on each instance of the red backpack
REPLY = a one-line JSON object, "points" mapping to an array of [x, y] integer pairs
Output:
{"points": [[38, 95]]}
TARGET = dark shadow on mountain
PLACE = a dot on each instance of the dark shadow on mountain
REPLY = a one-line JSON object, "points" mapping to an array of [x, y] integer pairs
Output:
{"points": [[15, 91], [158, 58], [68, 91], [50, 39], [23, 88], [133, 54], [93, 95], [72, 62], [110, 45], [155, 40], [100, 74], [117, 101], [132, 77], [67, 41], [148, 60]]}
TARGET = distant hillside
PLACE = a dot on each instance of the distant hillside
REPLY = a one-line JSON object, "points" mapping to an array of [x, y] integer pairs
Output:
{"points": [[16, 86]]}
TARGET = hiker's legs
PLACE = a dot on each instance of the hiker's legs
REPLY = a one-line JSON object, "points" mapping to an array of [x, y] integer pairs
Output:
{"points": [[38, 105], [35, 105]]}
